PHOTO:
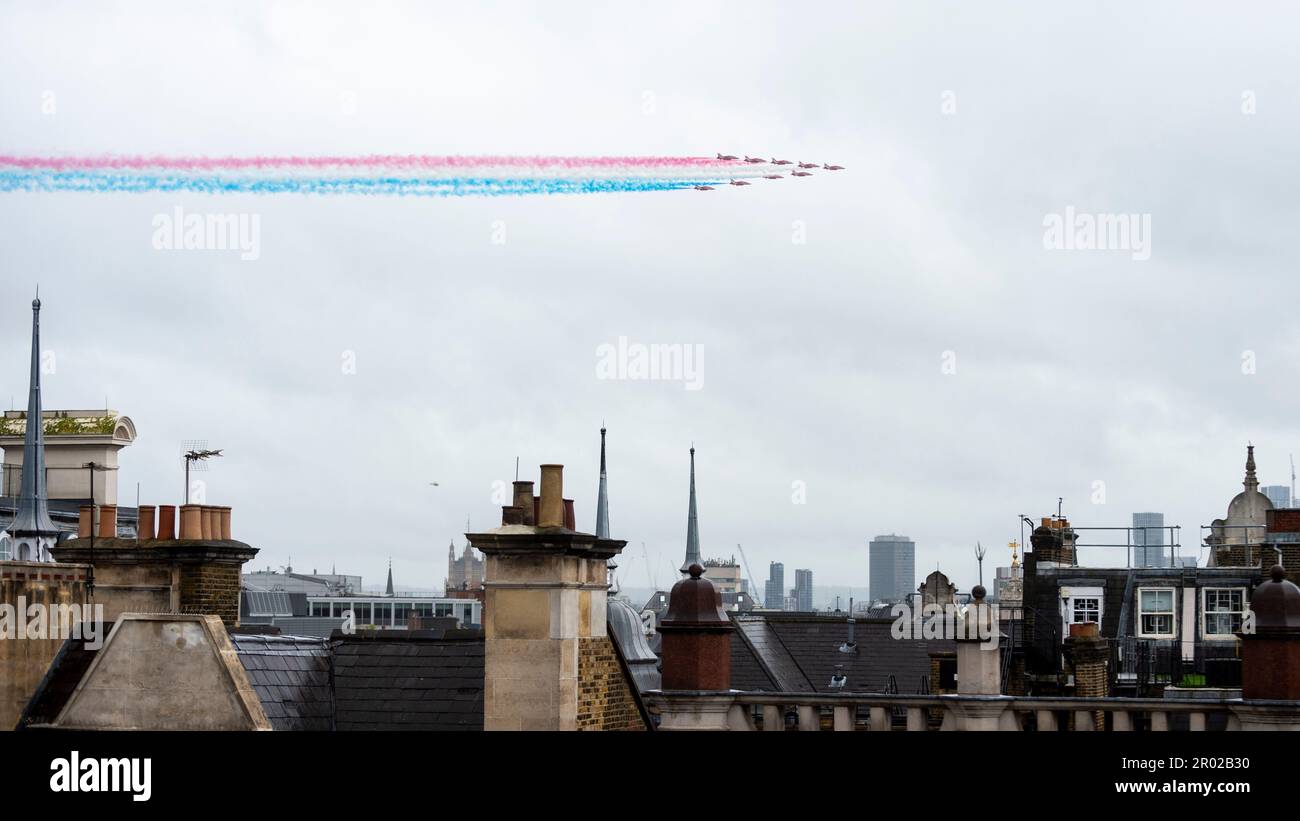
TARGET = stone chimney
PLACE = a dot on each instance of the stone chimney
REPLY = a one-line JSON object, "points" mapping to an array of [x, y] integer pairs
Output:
{"points": [[544, 611], [979, 669]]}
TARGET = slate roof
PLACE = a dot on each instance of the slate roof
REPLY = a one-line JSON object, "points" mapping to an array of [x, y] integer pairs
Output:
{"points": [[291, 675], [423, 680], [798, 652]]}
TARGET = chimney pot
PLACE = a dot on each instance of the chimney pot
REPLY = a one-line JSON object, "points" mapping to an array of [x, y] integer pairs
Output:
{"points": [[166, 522], [85, 521], [191, 522], [570, 518], [205, 521], [524, 501], [225, 522], [512, 515], [108, 521], [144, 527]]}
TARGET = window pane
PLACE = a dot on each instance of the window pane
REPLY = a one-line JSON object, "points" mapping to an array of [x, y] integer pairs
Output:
{"points": [[1158, 601]]}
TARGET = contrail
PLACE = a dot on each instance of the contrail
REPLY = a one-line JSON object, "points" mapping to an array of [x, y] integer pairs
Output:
{"points": [[391, 175]]}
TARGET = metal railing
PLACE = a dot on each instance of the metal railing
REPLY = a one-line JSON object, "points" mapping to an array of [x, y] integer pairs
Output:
{"points": [[1148, 665], [1106, 543]]}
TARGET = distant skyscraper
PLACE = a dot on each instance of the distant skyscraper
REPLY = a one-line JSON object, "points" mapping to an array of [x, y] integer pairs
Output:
{"points": [[1149, 540], [1279, 495], [892, 567], [803, 597], [774, 590]]}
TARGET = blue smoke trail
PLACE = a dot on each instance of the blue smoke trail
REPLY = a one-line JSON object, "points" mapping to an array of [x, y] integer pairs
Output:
{"points": [[100, 182]]}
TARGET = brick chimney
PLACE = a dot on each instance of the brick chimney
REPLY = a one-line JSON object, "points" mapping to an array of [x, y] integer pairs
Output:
{"points": [[696, 636], [1270, 657], [193, 574], [1089, 653], [1053, 543], [545, 588]]}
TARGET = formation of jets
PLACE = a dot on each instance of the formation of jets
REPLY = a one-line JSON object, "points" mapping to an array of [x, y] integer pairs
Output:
{"points": [[803, 168]]}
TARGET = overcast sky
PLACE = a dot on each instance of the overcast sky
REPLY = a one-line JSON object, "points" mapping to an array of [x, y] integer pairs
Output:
{"points": [[962, 126]]}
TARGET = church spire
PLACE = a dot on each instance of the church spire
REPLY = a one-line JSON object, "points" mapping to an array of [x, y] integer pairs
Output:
{"points": [[32, 529], [1251, 482], [692, 526], [389, 590], [602, 494]]}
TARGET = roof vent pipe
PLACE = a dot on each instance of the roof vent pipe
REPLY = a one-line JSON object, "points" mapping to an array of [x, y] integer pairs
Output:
{"points": [[850, 646]]}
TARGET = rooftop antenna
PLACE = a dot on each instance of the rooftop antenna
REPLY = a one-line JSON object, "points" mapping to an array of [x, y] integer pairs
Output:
{"points": [[516, 468], [979, 557], [1059, 501], [196, 455]]}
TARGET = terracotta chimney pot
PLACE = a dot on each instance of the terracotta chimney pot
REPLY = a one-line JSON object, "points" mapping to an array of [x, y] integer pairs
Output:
{"points": [[191, 522], [108, 521], [166, 522], [85, 521], [144, 528]]}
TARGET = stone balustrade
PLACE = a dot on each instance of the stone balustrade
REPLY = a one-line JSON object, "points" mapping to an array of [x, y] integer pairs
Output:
{"points": [[734, 710]]}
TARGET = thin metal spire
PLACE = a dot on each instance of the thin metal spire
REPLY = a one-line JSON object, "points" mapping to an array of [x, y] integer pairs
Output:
{"points": [[32, 516], [1251, 482], [389, 590], [602, 494], [692, 526]]}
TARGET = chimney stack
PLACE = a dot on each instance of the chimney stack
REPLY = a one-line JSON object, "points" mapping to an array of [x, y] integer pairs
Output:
{"points": [[544, 617], [1270, 657], [696, 636], [551, 513]]}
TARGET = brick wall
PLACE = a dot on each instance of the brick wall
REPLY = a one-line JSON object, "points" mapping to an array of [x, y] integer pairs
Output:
{"points": [[211, 590], [605, 700]]}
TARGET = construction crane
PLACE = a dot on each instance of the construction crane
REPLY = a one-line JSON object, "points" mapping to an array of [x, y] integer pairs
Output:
{"points": [[753, 588], [651, 575]]}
